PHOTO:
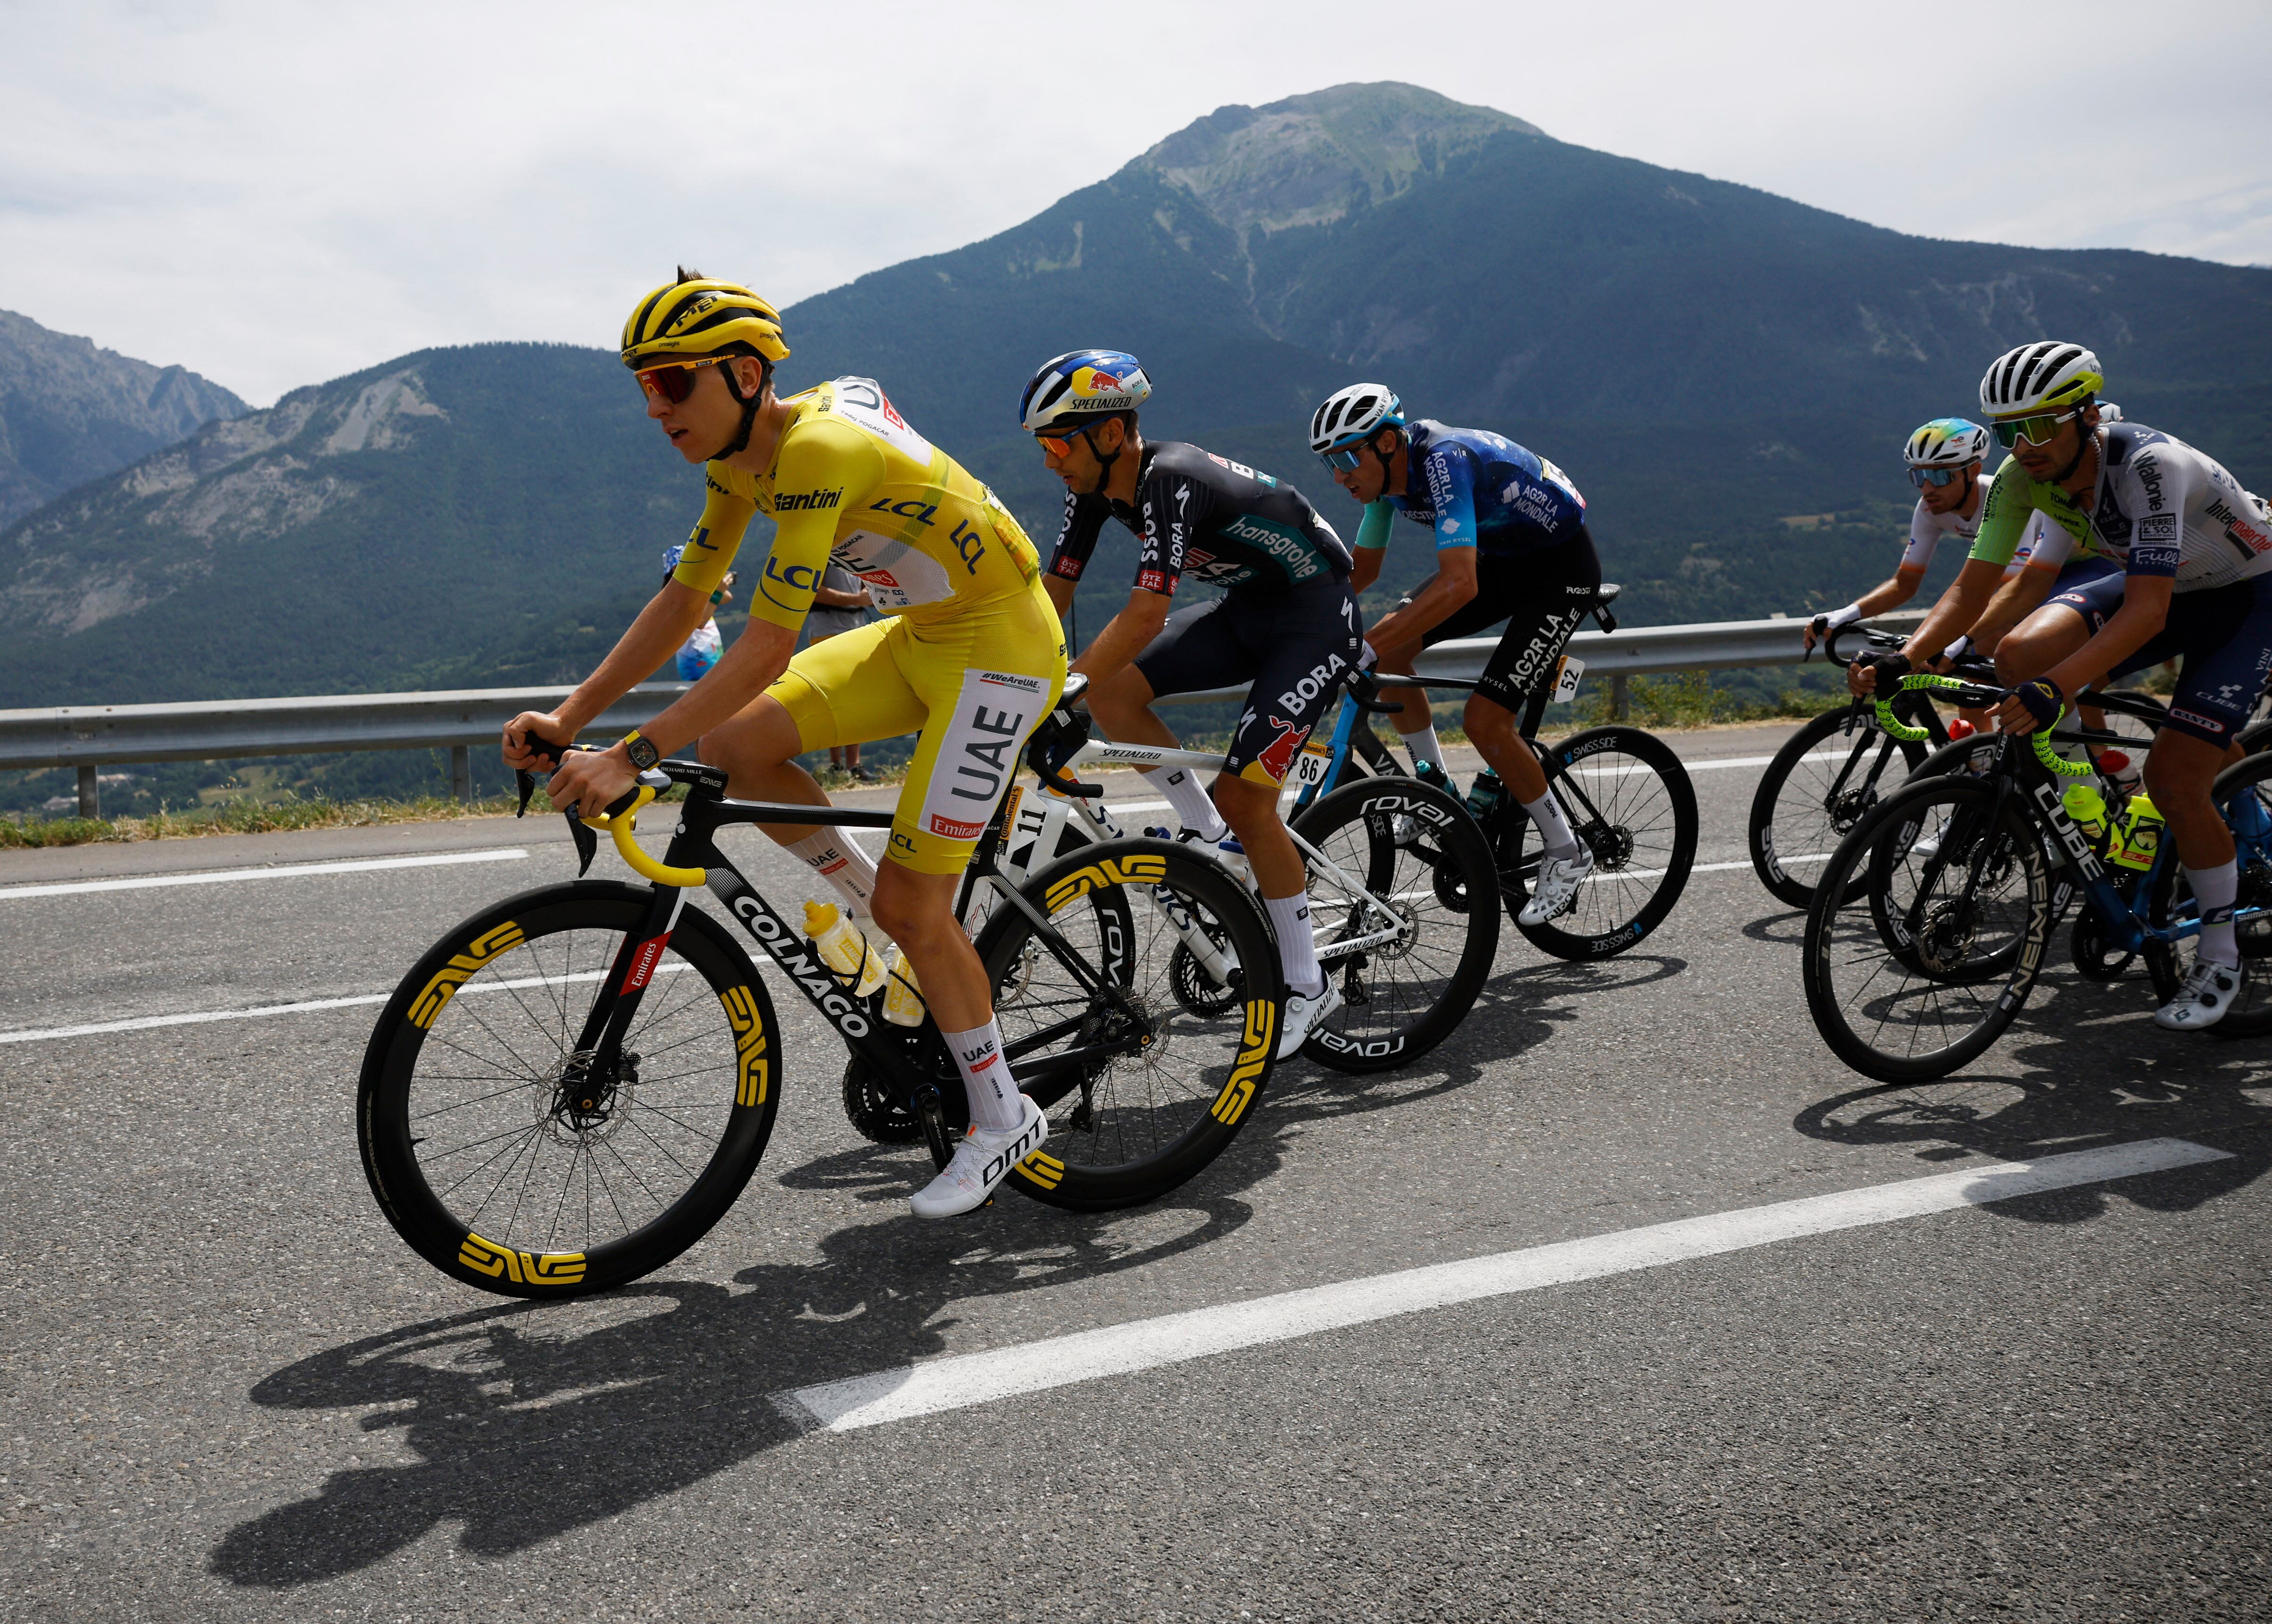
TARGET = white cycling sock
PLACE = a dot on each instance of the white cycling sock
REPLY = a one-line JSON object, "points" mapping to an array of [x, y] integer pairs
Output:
{"points": [[1190, 801], [833, 856], [1297, 948], [1423, 744], [994, 1101], [2214, 891], [1553, 828]]}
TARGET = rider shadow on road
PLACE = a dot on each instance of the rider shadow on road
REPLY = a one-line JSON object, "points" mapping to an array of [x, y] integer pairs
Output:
{"points": [[2068, 1077], [529, 1421]]}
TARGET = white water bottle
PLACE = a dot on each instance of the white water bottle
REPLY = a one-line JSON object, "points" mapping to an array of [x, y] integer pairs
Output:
{"points": [[903, 1004], [842, 948]]}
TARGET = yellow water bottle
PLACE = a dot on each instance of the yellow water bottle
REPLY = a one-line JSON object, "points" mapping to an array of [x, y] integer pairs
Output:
{"points": [[903, 1003], [2139, 836], [2087, 808], [842, 948]]}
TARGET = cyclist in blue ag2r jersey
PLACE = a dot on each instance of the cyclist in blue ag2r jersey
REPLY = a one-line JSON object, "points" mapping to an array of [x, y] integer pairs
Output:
{"points": [[1285, 624], [1511, 545], [2194, 552]]}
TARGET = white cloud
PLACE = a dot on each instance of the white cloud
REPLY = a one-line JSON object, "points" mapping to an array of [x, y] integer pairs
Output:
{"points": [[276, 194]]}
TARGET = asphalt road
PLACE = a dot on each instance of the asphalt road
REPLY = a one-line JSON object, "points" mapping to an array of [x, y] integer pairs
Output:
{"points": [[230, 1393]]}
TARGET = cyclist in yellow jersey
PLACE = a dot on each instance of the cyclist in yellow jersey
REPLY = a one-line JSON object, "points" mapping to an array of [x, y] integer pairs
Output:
{"points": [[970, 655]]}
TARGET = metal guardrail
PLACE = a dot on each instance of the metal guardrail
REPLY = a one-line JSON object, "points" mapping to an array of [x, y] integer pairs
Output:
{"points": [[90, 736]]}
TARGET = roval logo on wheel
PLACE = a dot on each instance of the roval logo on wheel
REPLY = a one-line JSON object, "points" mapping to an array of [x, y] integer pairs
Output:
{"points": [[979, 750]]}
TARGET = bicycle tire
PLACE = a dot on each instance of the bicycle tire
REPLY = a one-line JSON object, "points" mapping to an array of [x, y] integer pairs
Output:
{"points": [[1822, 806], [1180, 1085], [1847, 925], [1396, 1016], [2172, 898], [1634, 841], [694, 1145]]}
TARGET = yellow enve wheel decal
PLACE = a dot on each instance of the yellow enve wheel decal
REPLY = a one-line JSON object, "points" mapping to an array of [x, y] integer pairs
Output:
{"points": [[521, 1268], [1253, 1056], [750, 1044], [461, 966]]}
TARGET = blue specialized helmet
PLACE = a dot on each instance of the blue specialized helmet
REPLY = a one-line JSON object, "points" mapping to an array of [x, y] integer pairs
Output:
{"points": [[1083, 383]]}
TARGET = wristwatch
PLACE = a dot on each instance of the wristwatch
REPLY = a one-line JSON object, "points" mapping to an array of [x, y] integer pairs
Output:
{"points": [[641, 750]]}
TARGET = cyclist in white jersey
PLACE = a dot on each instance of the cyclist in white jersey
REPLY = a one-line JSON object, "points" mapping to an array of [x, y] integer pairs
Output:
{"points": [[2195, 551], [1945, 460]]}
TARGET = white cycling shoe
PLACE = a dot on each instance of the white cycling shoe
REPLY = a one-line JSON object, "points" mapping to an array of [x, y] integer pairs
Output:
{"points": [[2204, 997], [1300, 1016], [1557, 889], [982, 1161]]}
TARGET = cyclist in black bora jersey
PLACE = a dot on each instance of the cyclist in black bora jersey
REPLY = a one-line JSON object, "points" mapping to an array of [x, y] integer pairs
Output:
{"points": [[1285, 623]]}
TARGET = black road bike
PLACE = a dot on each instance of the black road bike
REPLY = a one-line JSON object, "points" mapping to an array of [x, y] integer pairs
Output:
{"points": [[1932, 918], [572, 1086], [1627, 797], [1826, 776]]}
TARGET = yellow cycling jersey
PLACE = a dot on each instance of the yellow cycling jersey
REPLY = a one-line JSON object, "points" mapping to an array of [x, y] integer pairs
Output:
{"points": [[852, 478]]}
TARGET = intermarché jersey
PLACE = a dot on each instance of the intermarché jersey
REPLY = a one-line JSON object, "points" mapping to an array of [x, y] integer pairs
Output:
{"points": [[851, 478], [1480, 489], [2159, 508], [1205, 516]]}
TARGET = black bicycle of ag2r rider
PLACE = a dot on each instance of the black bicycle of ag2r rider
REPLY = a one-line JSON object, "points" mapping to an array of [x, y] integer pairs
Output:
{"points": [[572, 1086]]}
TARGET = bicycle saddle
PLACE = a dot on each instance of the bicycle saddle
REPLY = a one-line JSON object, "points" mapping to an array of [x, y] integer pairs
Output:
{"points": [[1075, 686], [1605, 595]]}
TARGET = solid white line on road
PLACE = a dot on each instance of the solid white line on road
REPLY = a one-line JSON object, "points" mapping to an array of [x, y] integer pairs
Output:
{"points": [[305, 1006], [970, 1379], [286, 871]]}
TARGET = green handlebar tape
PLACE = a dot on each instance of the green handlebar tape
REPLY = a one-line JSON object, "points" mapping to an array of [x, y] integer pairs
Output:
{"points": [[2039, 741]]}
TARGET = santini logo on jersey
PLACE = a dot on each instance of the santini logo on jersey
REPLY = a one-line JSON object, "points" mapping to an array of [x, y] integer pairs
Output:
{"points": [[796, 501]]}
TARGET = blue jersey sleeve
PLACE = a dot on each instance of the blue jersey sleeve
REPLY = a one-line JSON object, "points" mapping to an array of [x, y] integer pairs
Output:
{"points": [[1451, 493]]}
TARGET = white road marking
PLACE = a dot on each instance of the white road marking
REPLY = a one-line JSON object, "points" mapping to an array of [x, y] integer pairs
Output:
{"points": [[285, 871], [966, 1379], [306, 1006]]}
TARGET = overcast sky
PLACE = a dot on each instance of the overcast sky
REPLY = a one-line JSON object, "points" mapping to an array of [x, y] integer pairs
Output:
{"points": [[275, 195]]}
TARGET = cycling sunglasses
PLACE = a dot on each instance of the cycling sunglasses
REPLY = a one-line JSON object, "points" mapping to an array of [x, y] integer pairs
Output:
{"points": [[1936, 477], [1345, 459], [674, 380], [1060, 445], [2036, 431]]}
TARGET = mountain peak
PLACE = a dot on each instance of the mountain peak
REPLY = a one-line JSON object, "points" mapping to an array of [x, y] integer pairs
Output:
{"points": [[1309, 160]]}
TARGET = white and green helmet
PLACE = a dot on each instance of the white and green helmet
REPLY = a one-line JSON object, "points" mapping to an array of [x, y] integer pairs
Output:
{"points": [[1947, 443]]}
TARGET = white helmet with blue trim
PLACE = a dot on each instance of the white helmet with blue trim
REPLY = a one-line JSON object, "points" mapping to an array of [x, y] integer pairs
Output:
{"points": [[1947, 443], [1082, 384], [1353, 416]]}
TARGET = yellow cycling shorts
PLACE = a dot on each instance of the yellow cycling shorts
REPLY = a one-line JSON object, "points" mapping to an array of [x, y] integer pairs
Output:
{"points": [[973, 687]]}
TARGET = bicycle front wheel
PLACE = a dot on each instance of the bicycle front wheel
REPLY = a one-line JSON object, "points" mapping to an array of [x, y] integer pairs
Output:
{"points": [[1148, 1050], [1824, 777], [1630, 802], [1397, 861], [497, 1150], [1927, 931]]}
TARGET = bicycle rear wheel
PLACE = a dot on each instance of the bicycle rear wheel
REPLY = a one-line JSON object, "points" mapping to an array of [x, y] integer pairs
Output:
{"points": [[1388, 906], [2171, 900], [1927, 931], [1822, 781], [1146, 1082], [497, 1151], [1629, 801]]}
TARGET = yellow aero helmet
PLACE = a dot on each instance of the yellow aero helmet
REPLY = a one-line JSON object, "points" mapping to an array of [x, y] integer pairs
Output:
{"points": [[699, 316]]}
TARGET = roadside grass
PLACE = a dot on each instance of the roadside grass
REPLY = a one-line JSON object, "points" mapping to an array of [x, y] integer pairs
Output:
{"points": [[240, 817]]}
